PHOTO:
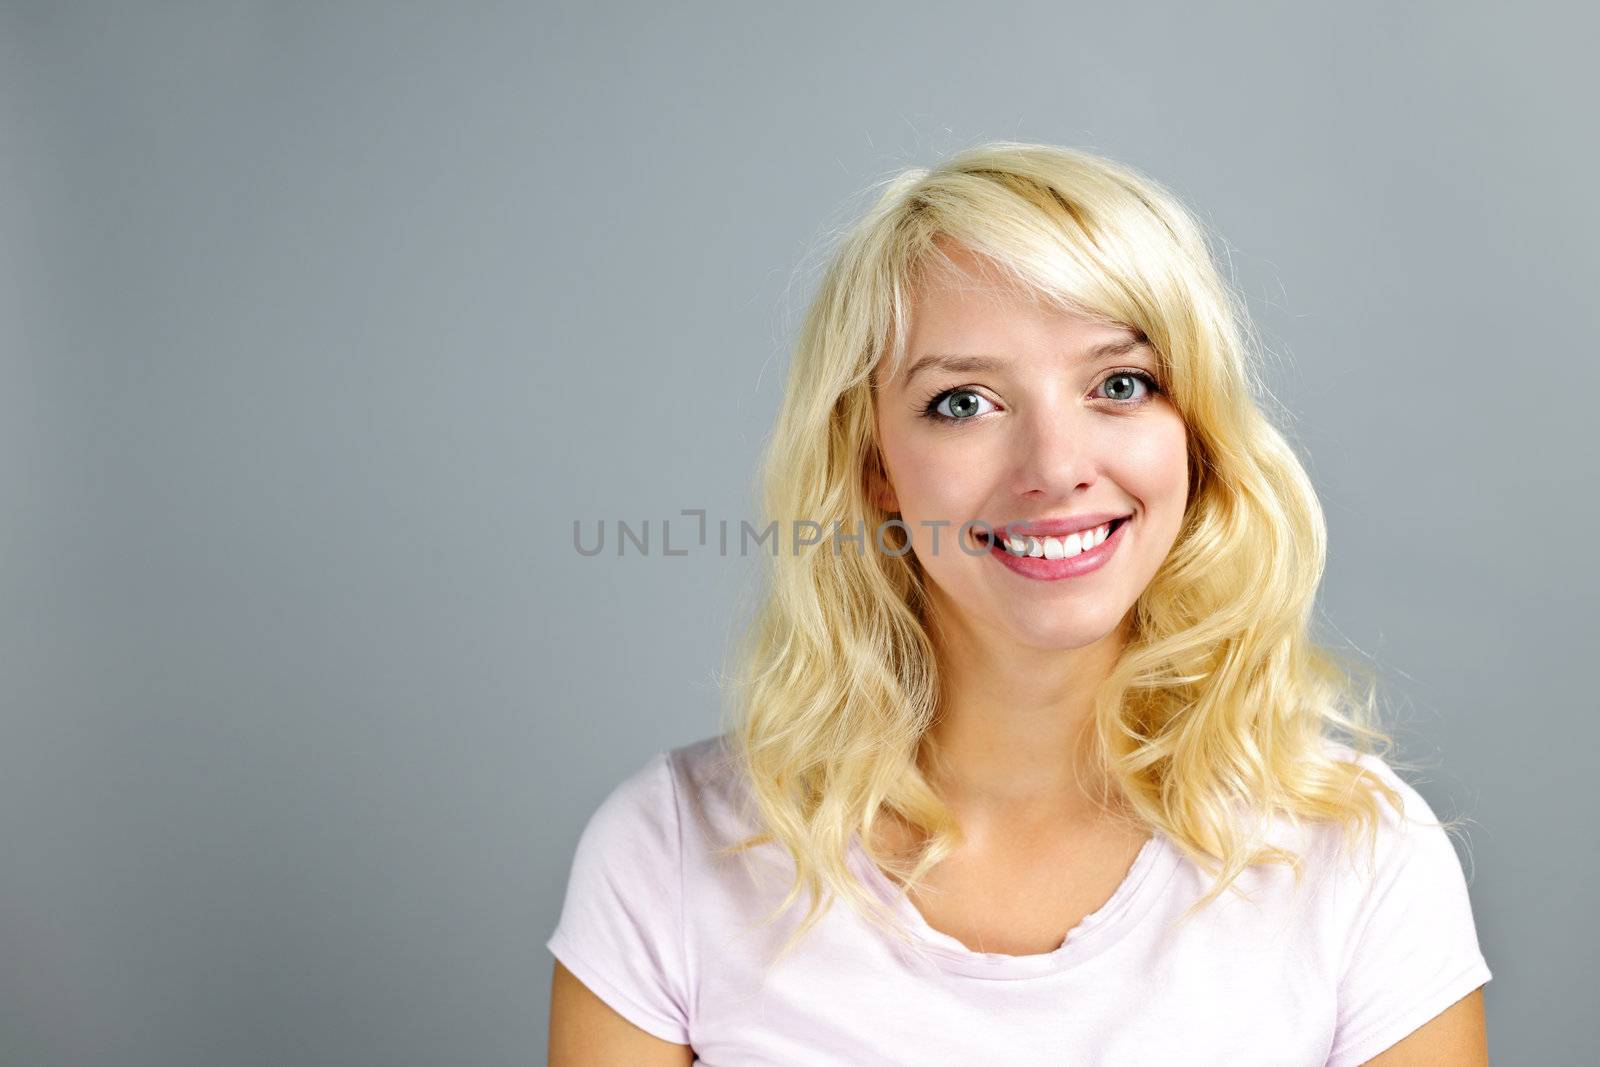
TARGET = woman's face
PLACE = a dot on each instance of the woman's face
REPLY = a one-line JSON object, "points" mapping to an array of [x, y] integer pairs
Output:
{"points": [[1043, 423]]}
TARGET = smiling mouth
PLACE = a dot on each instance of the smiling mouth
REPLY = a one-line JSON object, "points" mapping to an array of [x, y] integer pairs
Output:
{"points": [[1044, 543]]}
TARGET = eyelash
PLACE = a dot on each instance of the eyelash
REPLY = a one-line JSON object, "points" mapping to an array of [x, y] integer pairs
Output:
{"points": [[930, 406]]}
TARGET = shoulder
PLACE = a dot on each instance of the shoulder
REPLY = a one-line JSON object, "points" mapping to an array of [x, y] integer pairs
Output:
{"points": [[1410, 857], [652, 805], [1412, 829], [638, 810], [1370, 762], [1408, 945], [621, 927], [707, 770]]}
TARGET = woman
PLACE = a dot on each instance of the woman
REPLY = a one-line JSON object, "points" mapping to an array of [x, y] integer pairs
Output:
{"points": [[1041, 705]]}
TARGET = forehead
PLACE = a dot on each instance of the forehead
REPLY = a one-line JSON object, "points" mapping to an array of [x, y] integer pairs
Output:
{"points": [[966, 314]]}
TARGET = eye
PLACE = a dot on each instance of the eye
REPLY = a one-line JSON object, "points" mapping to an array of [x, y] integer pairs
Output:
{"points": [[1122, 387], [955, 405]]}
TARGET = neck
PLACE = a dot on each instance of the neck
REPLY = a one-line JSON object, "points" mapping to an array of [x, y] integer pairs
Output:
{"points": [[1013, 737]]}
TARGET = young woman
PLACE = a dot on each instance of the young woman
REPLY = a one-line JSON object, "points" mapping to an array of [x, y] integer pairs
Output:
{"points": [[1040, 705]]}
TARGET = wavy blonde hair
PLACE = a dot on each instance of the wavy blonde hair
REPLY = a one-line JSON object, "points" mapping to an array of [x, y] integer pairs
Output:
{"points": [[1214, 718]]}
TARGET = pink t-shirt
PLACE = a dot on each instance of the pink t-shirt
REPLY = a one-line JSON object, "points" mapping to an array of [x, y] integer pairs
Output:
{"points": [[668, 934]]}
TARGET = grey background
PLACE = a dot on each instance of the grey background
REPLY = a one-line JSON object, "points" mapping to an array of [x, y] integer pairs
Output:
{"points": [[322, 323]]}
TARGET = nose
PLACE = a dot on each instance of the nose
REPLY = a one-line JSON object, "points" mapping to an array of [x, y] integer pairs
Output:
{"points": [[1055, 456]]}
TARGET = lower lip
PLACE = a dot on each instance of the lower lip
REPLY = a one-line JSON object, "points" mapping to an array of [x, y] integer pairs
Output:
{"points": [[1052, 570]]}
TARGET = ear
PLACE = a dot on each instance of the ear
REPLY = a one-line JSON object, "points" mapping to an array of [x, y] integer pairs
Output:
{"points": [[879, 488]]}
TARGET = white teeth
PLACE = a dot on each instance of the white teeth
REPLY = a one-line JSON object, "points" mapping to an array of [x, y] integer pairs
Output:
{"points": [[1057, 547]]}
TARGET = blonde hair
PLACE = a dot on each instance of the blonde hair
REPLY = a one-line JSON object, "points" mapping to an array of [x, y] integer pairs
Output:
{"points": [[1214, 718]]}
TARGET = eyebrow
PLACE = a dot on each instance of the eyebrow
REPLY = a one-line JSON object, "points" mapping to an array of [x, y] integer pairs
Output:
{"points": [[970, 364]]}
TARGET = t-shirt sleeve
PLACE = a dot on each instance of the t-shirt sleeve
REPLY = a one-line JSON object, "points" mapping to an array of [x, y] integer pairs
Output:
{"points": [[621, 929], [1414, 949]]}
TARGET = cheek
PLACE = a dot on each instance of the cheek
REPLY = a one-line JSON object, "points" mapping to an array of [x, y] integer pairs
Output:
{"points": [[932, 477], [1154, 463]]}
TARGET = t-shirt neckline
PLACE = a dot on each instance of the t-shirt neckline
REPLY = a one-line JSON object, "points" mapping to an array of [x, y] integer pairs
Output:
{"points": [[1147, 878]]}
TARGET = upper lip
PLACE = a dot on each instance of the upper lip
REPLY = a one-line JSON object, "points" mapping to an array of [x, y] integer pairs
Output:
{"points": [[1059, 527]]}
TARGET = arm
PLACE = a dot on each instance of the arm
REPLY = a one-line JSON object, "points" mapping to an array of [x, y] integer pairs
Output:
{"points": [[585, 1031], [1412, 973], [621, 991], [1454, 1036]]}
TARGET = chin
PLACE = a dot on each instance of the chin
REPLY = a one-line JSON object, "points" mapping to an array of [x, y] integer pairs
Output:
{"points": [[1060, 638]]}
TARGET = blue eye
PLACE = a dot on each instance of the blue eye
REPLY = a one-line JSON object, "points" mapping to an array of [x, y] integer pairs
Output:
{"points": [[1150, 385], [955, 405], [964, 405]]}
